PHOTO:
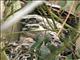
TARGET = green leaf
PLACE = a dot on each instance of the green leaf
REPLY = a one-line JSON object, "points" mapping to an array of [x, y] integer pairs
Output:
{"points": [[62, 3], [77, 8], [68, 4], [44, 52], [38, 43]]}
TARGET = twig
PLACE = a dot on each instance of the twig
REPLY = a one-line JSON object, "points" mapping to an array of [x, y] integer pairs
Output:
{"points": [[66, 19], [18, 15]]}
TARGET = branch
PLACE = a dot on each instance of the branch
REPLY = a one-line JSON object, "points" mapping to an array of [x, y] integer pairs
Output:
{"points": [[16, 17]]}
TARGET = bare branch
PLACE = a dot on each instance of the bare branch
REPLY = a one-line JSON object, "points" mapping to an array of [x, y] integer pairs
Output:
{"points": [[18, 15]]}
